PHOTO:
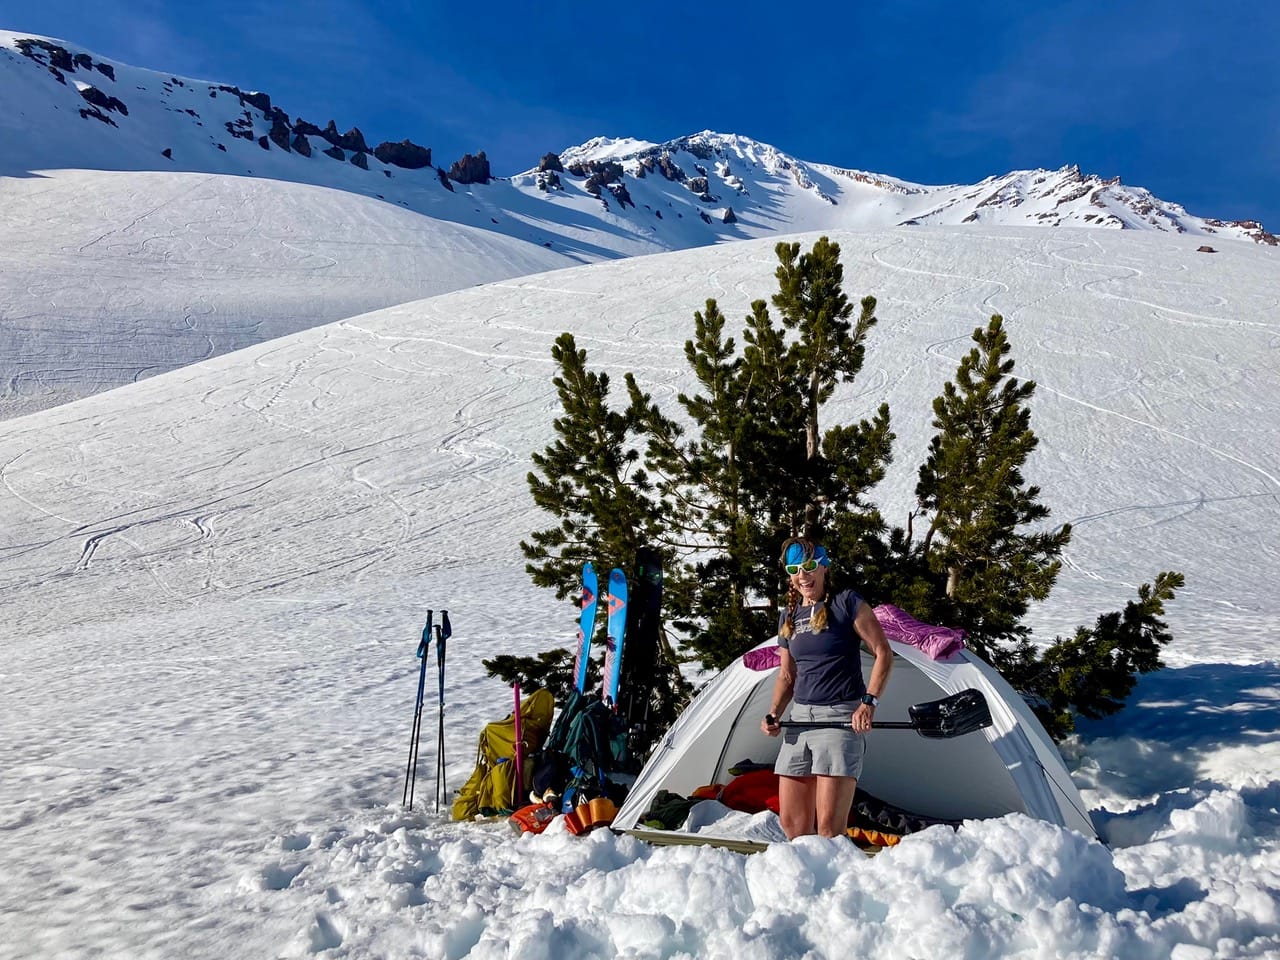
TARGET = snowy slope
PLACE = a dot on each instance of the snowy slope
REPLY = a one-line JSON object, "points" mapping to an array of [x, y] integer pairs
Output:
{"points": [[109, 277], [137, 203], [214, 582]]}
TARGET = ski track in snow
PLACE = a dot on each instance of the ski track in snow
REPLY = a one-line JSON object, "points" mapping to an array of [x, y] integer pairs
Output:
{"points": [[215, 580]]}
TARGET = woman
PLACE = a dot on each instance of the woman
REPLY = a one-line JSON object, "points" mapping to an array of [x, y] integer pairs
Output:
{"points": [[822, 669]]}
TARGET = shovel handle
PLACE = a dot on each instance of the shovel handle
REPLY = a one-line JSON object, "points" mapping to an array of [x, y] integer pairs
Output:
{"points": [[953, 716], [837, 725]]}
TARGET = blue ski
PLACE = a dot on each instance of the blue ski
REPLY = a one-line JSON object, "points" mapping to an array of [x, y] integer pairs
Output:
{"points": [[586, 626], [617, 600]]}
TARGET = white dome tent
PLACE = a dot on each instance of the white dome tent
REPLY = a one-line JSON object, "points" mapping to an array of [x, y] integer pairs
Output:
{"points": [[1010, 766]]}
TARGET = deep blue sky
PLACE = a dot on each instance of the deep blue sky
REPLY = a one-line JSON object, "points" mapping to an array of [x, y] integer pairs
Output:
{"points": [[1180, 96]]}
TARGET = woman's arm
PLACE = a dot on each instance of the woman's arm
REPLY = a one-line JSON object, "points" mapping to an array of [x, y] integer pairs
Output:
{"points": [[877, 644], [872, 635], [783, 686]]}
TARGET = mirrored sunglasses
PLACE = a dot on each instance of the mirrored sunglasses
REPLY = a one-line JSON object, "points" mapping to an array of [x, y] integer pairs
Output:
{"points": [[806, 565]]}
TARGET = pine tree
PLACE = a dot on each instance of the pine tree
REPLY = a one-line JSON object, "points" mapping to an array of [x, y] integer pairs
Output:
{"points": [[590, 478], [713, 480], [990, 565], [1093, 672], [812, 301], [751, 474]]}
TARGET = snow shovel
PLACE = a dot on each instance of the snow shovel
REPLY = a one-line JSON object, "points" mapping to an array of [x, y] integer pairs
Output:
{"points": [[953, 716]]}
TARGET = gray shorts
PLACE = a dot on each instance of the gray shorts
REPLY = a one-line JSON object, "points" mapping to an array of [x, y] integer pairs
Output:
{"points": [[828, 753]]}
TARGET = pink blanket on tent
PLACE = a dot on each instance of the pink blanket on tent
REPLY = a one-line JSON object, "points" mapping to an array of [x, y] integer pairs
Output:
{"points": [[935, 642]]}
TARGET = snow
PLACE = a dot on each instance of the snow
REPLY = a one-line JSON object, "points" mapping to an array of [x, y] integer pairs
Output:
{"points": [[108, 277], [162, 226], [215, 579]]}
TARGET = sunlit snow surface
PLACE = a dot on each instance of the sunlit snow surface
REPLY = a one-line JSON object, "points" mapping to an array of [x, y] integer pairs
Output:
{"points": [[214, 581], [108, 277]]}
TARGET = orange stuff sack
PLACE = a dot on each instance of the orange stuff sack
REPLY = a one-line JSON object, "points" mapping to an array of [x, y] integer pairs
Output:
{"points": [[534, 818], [872, 838], [752, 792]]}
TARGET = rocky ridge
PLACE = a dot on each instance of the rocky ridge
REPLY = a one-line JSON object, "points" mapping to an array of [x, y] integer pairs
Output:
{"points": [[696, 189]]}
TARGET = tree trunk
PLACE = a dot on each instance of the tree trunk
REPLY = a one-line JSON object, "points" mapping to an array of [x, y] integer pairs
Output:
{"points": [[811, 424]]}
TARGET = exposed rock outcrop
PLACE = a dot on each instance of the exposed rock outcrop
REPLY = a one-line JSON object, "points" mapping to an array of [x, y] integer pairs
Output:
{"points": [[280, 130], [670, 169], [700, 186], [619, 191], [241, 127], [406, 154], [470, 169], [253, 98], [59, 60], [601, 174], [87, 112], [99, 99], [353, 140]]}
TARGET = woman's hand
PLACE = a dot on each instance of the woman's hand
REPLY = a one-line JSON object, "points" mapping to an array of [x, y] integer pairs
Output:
{"points": [[861, 720], [769, 726]]}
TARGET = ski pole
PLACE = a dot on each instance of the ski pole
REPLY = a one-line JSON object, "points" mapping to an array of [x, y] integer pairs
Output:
{"points": [[443, 632], [411, 770], [517, 797]]}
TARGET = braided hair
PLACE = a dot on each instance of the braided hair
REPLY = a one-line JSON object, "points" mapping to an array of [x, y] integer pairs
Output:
{"points": [[818, 621]]}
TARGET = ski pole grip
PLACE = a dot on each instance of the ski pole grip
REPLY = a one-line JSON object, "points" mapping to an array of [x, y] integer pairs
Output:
{"points": [[770, 719]]}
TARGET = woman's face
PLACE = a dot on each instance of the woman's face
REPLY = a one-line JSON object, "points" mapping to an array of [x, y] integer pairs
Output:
{"points": [[810, 583]]}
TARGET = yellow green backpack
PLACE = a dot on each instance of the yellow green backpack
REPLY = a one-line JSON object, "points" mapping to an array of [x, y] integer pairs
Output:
{"points": [[491, 789]]}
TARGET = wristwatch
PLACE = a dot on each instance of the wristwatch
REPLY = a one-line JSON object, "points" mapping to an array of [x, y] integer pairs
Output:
{"points": [[870, 700]]}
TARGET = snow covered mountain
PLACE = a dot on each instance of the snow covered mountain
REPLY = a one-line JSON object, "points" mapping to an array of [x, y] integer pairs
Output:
{"points": [[202, 188], [68, 108], [214, 580]]}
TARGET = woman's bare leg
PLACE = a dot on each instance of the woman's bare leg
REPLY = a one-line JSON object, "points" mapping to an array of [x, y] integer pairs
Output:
{"points": [[797, 806], [834, 800]]}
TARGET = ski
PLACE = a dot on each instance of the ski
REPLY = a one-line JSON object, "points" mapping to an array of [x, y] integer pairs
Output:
{"points": [[586, 626], [676, 838], [642, 670], [617, 607]]}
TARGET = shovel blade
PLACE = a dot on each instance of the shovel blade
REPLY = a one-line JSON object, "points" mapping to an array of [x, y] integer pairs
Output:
{"points": [[953, 716]]}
